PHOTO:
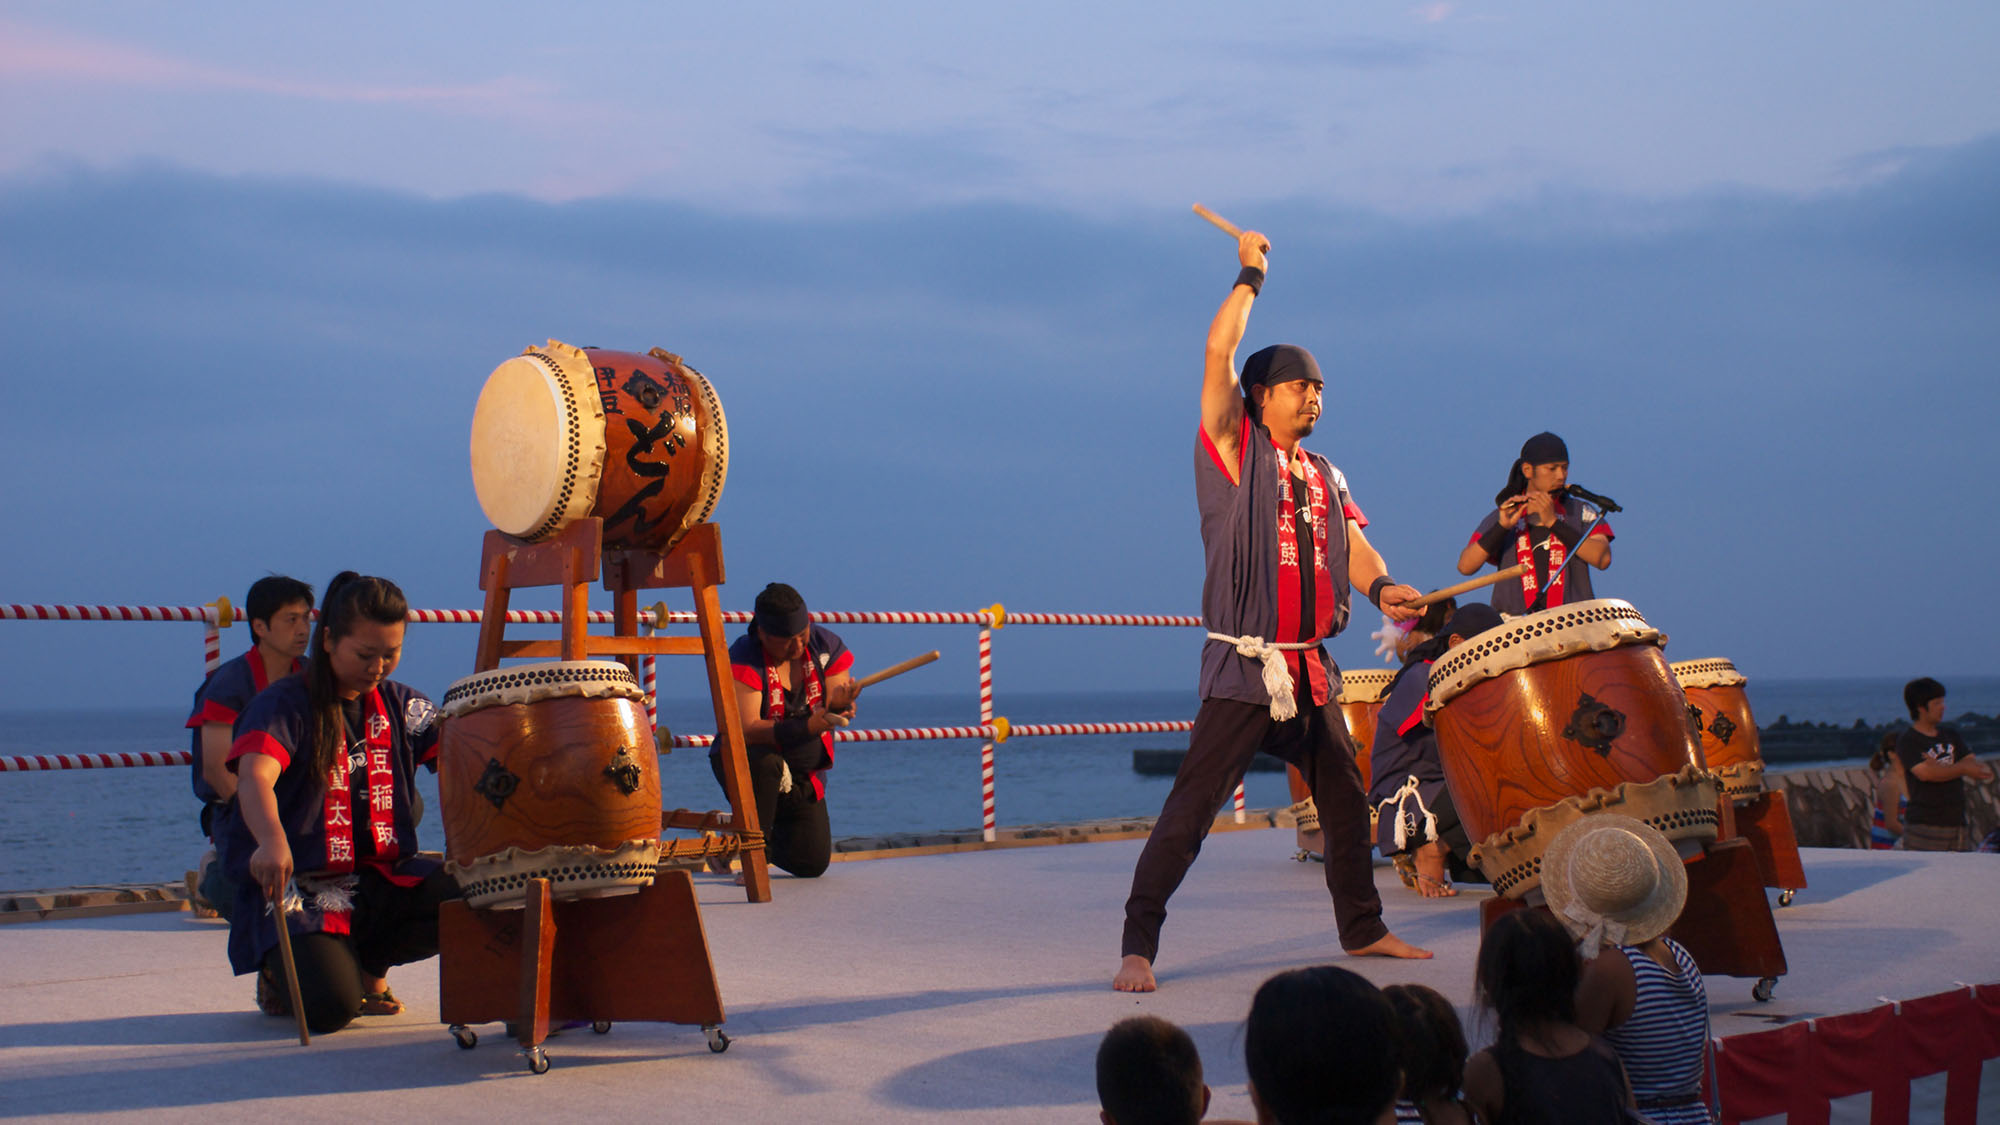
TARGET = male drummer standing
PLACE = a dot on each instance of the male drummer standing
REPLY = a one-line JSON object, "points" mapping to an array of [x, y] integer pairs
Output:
{"points": [[1279, 571]]}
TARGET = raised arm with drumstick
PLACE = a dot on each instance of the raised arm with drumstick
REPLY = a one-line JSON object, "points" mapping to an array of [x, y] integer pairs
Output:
{"points": [[1284, 545]]}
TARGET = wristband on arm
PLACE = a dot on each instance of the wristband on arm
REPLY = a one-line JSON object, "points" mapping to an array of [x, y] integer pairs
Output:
{"points": [[1375, 589], [1253, 277], [1493, 542]]}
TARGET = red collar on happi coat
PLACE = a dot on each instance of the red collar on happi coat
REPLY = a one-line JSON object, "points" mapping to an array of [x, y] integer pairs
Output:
{"points": [[1524, 554], [1309, 674], [381, 798]]}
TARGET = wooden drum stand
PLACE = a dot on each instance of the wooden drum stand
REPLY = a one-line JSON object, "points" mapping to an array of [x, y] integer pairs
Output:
{"points": [[640, 956]]}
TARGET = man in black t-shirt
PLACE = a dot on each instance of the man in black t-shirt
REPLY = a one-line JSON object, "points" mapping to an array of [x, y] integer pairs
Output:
{"points": [[1936, 761]]}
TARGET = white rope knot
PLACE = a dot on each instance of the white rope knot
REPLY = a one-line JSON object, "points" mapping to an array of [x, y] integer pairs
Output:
{"points": [[1408, 792], [784, 777], [1277, 677]]}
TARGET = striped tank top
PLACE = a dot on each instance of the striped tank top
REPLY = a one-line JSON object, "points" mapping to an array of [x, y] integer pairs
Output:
{"points": [[1661, 1043]]}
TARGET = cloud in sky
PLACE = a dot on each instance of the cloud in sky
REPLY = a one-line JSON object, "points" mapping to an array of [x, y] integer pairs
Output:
{"points": [[29, 53], [943, 407]]}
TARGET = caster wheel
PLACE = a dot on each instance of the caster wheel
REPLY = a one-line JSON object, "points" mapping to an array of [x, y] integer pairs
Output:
{"points": [[1761, 991], [1301, 856], [466, 1037], [602, 1027], [538, 1060], [718, 1040], [1785, 897]]}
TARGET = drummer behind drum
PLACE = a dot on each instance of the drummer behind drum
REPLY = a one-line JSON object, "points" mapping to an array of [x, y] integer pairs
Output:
{"points": [[1538, 526], [792, 689], [1414, 811]]}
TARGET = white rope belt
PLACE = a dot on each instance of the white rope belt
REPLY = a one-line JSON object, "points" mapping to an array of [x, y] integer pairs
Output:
{"points": [[1408, 792], [1277, 677]]}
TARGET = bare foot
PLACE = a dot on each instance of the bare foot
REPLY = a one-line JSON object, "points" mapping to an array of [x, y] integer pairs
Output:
{"points": [[1389, 945], [1135, 974], [1432, 879], [719, 864]]}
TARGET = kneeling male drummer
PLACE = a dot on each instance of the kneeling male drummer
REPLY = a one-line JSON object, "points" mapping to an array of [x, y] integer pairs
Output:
{"points": [[279, 610], [792, 688]]}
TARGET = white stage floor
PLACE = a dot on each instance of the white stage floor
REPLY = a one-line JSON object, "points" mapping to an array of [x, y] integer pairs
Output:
{"points": [[968, 987]]}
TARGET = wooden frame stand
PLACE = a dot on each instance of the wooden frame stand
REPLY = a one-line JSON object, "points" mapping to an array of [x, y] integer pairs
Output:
{"points": [[1766, 822], [630, 957], [573, 560]]}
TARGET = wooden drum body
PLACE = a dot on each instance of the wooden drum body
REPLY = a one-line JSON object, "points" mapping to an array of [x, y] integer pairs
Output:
{"points": [[1359, 699], [561, 433], [1719, 709], [549, 771], [1559, 714]]}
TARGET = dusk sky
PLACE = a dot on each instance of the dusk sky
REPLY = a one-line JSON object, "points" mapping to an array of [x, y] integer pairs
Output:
{"points": [[256, 262]]}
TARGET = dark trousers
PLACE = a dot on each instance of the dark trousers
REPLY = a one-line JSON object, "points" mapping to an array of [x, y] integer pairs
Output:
{"points": [[1227, 734], [391, 925], [797, 836]]}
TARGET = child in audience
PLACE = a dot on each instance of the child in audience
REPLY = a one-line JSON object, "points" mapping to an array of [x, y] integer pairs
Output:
{"points": [[1433, 1051], [1149, 1073], [1320, 1046], [1542, 1069]]}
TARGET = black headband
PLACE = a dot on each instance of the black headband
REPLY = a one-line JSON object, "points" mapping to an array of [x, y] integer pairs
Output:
{"points": [[1543, 449], [1280, 363]]}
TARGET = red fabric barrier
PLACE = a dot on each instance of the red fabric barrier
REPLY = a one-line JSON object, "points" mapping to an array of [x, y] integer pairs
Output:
{"points": [[1793, 1073], [1855, 1053], [1758, 1073]]}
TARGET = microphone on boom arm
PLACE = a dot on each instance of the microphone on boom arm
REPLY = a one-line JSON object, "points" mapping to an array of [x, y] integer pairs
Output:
{"points": [[1604, 502]]}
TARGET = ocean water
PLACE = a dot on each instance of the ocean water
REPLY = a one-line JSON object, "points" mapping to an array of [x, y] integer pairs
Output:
{"points": [[82, 827]]}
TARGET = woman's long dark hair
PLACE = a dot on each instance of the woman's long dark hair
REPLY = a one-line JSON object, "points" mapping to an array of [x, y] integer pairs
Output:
{"points": [[1527, 972], [1320, 1046], [350, 598]]}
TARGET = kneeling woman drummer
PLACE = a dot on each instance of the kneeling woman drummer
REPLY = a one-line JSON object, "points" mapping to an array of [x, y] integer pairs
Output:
{"points": [[326, 763]]}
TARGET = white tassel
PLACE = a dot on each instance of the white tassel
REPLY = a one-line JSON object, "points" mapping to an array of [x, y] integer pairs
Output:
{"points": [[1408, 792], [784, 777]]}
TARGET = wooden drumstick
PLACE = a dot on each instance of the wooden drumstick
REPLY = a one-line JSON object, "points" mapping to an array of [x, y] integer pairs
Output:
{"points": [[1229, 228], [895, 670], [291, 969], [1453, 591]]}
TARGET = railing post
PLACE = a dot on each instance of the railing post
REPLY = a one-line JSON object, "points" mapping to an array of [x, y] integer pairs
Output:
{"points": [[996, 617]]}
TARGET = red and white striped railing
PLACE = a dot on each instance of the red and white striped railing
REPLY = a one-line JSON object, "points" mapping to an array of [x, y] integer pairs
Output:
{"points": [[991, 731]]}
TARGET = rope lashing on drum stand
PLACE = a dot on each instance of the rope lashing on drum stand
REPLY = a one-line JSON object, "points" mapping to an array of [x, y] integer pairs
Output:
{"points": [[1407, 792], [1277, 677]]}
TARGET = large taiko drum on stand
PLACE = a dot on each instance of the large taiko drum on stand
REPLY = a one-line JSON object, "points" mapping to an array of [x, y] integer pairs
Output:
{"points": [[1719, 709], [548, 771], [1359, 699], [1559, 714], [561, 433]]}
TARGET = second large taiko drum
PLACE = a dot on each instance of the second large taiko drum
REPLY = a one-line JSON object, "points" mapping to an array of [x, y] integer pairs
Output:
{"points": [[1719, 708], [548, 771], [1558, 714], [561, 433]]}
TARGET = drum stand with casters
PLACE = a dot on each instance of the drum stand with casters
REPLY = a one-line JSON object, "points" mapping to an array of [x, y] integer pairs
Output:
{"points": [[1765, 821], [1727, 925], [638, 956]]}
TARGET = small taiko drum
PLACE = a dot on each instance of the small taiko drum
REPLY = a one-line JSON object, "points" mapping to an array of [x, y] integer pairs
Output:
{"points": [[1719, 713], [548, 771], [1559, 714], [561, 433], [1359, 699]]}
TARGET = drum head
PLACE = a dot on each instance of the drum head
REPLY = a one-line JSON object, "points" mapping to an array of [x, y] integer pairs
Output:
{"points": [[1712, 672], [1597, 625], [1364, 685], [532, 683], [538, 442]]}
